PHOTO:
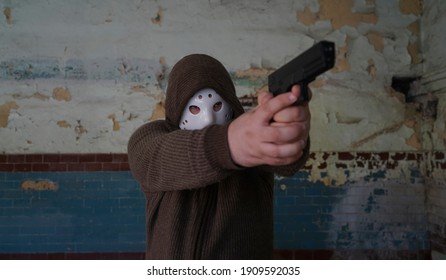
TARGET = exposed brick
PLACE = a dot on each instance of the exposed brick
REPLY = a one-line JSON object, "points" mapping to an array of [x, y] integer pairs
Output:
{"points": [[441, 165], [22, 167], [111, 166], [124, 166], [34, 158], [5, 167], [326, 156], [391, 165], [40, 167], [398, 156], [16, 158], [383, 156], [75, 166], [63, 162], [439, 155], [345, 156], [363, 156], [69, 158], [120, 158], [104, 157], [362, 160], [50, 158], [307, 167], [419, 157], [341, 165], [3, 158], [93, 166], [87, 158], [58, 167]]}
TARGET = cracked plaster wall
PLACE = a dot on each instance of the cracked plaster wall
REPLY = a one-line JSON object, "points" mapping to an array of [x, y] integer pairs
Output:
{"points": [[81, 76]]}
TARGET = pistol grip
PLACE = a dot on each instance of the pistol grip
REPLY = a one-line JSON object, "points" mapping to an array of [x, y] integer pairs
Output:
{"points": [[303, 98]]}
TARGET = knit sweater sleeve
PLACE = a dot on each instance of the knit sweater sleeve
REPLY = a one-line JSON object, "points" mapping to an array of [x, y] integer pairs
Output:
{"points": [[164, 160]]}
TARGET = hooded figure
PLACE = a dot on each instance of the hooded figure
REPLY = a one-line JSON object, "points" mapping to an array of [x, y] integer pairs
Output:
{"points": [[200, 204]]}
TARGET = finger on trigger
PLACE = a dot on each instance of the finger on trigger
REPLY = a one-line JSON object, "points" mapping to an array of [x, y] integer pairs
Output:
{"points": [[268, 109], [263, 97]]}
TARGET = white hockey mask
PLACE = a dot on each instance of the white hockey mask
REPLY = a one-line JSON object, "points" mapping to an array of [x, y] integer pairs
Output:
{"points": [[206, 107]]}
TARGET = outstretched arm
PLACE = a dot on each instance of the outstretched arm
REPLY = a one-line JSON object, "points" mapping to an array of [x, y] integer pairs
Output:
{"points": [[164, 160]]}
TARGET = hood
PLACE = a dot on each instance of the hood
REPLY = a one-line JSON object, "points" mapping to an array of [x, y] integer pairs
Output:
{"points": [[191, 74]]}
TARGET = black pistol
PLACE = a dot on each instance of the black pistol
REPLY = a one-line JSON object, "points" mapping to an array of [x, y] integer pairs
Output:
{"points": [[302, 70]]}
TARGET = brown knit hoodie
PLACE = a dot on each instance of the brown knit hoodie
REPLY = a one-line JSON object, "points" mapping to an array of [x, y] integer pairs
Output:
{"points": [[200, 205]]}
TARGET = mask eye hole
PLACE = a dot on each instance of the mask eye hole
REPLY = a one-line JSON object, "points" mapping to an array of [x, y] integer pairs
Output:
{"points": [[194, 109], [217, 106]]}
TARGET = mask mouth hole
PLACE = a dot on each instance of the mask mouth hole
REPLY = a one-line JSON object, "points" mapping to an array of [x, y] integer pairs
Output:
{"points": [[217, 106], [195, 110]]}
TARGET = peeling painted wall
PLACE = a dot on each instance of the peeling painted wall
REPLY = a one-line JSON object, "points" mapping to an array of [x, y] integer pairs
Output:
{"points": [[80, 77], [434, 87]]}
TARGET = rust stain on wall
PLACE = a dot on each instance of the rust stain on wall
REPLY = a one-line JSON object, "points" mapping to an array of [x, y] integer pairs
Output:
{"points": [[63, 124], [116, 125], [38, 95], [395, 94], [161, 74], [79, 130], [340, 14], [318, 83], [376, 40], [159, 112], [5, 110], [441, 130], [306, 17], [414, 53], [138, 88], [371, 69], [159, 16], [411, 7], [145, 91], [414, 28], [414, 140], [342, 64], [61, 94], [39, 185], [7, 12], [253, 73]]}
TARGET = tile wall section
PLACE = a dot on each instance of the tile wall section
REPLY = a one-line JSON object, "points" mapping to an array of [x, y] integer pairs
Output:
{"points": [[69, 206]]}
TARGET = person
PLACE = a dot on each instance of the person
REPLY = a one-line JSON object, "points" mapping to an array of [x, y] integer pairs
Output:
{"points": [[207, 169]]}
